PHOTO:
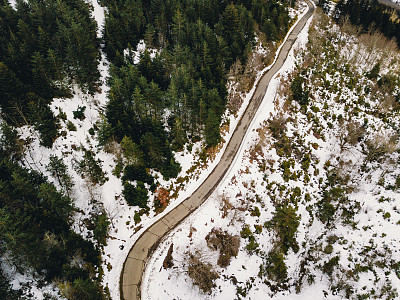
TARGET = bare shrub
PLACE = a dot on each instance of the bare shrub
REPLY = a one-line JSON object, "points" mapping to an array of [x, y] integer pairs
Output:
{"points": [[253, 65], [226, 206], [227, 244], [284, 85], [380, 145], [387, 104], [277, 125], [235, 70], [348, 28], [113, 147], [168, 260], [201, 273], [235, 101], [377, 45], [350, 133], [245, 76]]}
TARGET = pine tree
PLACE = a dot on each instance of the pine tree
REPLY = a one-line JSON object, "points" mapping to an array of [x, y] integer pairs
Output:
{"points": [[179, 135], [59, 171], [132, 152], [149, 36], [179, 27], [212, 132]]}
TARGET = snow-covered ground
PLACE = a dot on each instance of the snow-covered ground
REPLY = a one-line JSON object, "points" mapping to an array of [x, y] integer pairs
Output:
{"points": [[350, 252], [93, 199], [252, 182], [161, 284]]}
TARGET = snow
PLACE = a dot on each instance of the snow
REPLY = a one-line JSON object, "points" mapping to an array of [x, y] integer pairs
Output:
{"points": [[124, 232], [26, 282], [375, 233], [13, 3], [207, 216], [99, 16], [140, 49]]}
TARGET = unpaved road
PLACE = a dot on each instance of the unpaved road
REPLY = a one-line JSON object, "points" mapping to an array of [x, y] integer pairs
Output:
{"points": [[390, 3], [135, 263]]}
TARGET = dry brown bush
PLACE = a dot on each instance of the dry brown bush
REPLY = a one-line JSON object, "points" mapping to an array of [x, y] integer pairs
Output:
{"points": [[257, 149], [380, 145], [227, 244], [235, 101], [161, 199], [387, 104], [201, 273], [226, 206], [168, 260], [277, 125], [349, 134]]}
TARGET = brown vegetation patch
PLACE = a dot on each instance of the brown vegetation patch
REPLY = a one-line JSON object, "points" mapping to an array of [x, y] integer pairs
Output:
{"points": [[168, 261], [201, 273], [227, 244], [161, 199]]}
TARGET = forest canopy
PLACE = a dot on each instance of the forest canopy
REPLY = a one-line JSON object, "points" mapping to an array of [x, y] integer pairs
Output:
{"points": [[45, 47], [177, 94]]}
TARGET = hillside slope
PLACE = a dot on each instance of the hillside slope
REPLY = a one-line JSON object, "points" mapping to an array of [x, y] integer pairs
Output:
{"points": [[311, 211]]}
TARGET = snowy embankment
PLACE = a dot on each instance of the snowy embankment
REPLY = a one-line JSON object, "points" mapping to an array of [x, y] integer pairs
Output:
{"points": [[92, 199], [332, 167], [162, 284], [187, 160]]}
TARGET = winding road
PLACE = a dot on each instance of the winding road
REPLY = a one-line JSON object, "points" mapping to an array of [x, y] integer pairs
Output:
{"points": [[145, 245], [390, 3]]}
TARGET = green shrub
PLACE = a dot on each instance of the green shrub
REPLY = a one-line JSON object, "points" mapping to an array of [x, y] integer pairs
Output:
{"points": [[329, 266], [119, 167], [305, 163], [137, 217], [328, 249], [255, 212], [101, 228], [79, 113], [298, 93], [386, 215], [274, 267], [135, 195], [132, 173], [325, 211], [90, 167], [246, 232], [59, 171], [82, 289], [71, 126], [285, 222], [397, 184], [11, 146], [258, 228], [285, 166]]}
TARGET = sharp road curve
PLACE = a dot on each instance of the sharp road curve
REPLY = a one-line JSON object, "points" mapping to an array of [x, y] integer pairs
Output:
{"points": [[135, 263]]}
